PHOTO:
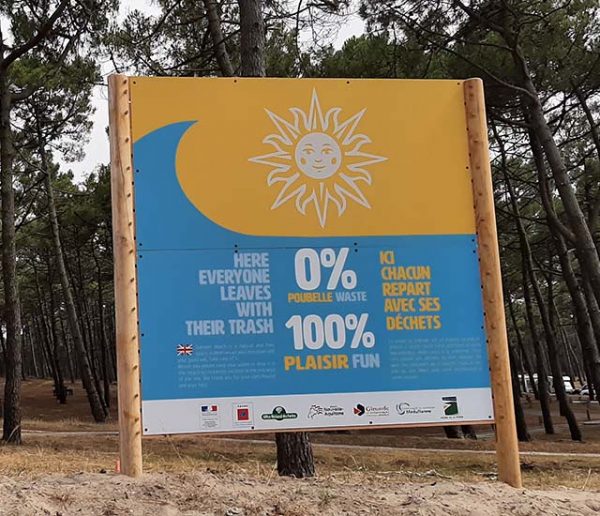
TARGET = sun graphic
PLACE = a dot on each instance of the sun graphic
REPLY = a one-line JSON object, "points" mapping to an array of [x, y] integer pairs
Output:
{"points": [[318, 160]]}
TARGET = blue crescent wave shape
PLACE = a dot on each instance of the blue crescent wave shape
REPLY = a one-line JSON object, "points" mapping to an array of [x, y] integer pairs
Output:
{"points": [[165, 217]]}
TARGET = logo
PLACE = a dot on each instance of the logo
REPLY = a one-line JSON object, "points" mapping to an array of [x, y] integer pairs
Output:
{"points": [[242, 414], [318, 160], [359, 410], [279, 414], [330, 411], [450, 405], [406, 409], [371, 411], [209, 416], [185, 350]]}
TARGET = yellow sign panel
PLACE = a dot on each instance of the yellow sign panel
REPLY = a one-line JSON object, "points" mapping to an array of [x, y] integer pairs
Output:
{"points": [[318, 157]]}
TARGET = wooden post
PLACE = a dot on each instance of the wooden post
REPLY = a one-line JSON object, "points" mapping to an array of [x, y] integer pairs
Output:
{"points": [[507, 446], [126, 319]]}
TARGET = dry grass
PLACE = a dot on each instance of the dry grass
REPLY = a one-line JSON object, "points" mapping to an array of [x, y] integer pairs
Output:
{"points": [[41, 455], [44, 452]]}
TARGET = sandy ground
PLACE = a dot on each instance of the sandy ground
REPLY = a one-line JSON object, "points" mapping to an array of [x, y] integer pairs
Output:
{"points": [[242, 494], [235, 477]]}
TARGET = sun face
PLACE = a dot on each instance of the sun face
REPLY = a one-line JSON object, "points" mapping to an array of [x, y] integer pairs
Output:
{"points": [[318, 155], [318, 160]]}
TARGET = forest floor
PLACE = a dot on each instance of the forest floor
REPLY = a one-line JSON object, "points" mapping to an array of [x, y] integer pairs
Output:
{"points": [[67, 465]]}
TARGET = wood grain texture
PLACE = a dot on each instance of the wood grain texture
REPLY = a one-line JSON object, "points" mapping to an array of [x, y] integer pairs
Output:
{"points": [[126, 311], [507, 446]]}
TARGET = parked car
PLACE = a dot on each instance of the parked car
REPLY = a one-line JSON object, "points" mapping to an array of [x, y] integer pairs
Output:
{"points": [[569, 388]]}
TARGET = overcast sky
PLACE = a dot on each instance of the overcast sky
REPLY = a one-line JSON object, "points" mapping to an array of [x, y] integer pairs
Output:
{"points": [[97, 150]]}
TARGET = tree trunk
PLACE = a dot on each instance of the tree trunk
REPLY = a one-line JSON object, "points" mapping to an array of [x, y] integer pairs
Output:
{"points": [[542, 383], [542, 378], [584, 241], [36, 370], [594, 210], [584, 324], [45, 335], [527, 363], [2, 351], [571, 363], [252, 28], [469, 432], [593, 309], [65, 339], [47, 364], [102, 330], [551, 343], [522, 432], [452, 432], [98, 409], [294, 455], [294, 451], [550, 337], [585, 329], [218, 40], [85, 324], [61, 390], [12, 387], [533, 112], [588, 380]]}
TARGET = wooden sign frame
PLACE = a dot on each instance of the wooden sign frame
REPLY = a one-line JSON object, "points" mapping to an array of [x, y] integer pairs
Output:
{"points": [[126, 303]]}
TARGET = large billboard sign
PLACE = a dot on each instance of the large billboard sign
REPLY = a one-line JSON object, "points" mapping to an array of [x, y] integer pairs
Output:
{"points": [[307, 255]]}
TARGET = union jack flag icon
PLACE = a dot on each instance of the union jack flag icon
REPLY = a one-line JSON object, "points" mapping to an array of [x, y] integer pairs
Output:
{"points": [[184, 350]]}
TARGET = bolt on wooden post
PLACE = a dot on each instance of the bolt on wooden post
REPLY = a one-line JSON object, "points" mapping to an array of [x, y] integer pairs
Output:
{"points": [[507, 447], [126, 318]]}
